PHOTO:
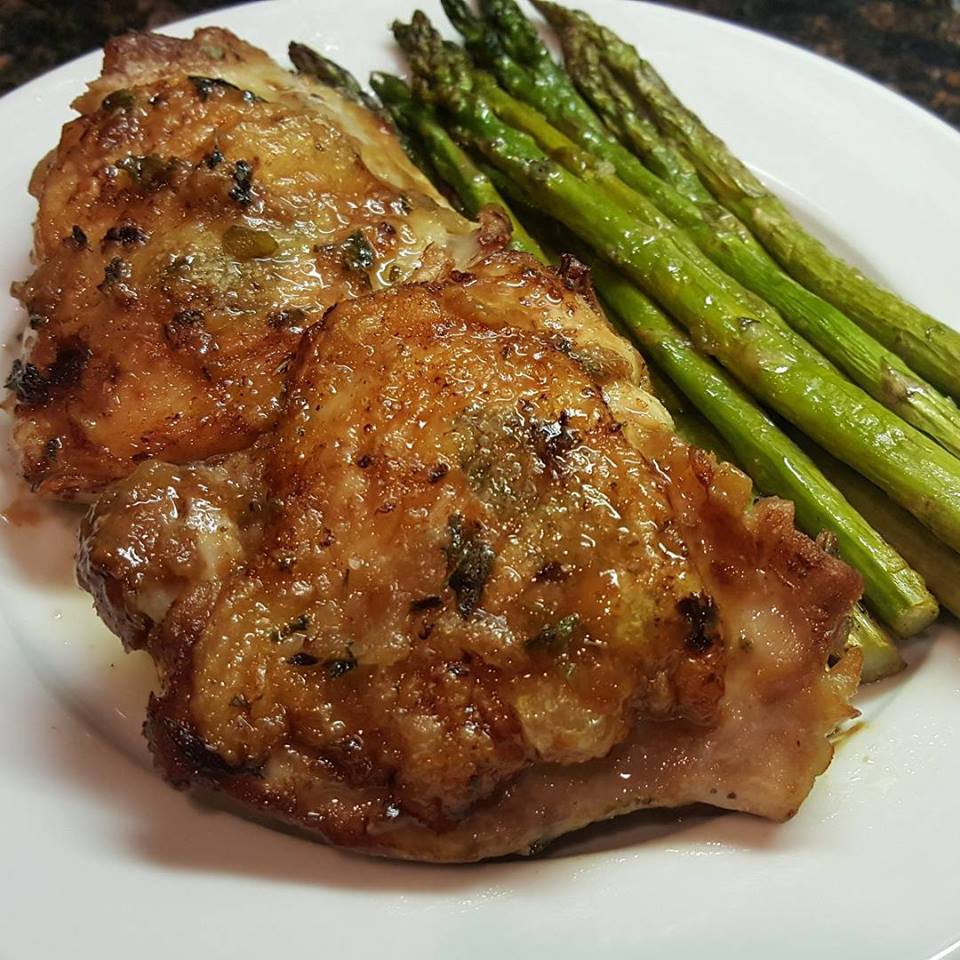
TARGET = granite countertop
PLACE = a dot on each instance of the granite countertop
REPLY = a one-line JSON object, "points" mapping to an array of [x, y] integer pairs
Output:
{"points": [[912, 46]]}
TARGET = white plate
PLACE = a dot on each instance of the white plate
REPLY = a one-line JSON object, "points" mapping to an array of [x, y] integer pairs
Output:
{"points": [[100, 859]]}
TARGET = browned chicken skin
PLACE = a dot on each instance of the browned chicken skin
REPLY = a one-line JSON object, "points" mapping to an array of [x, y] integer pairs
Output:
{"points": [[471, 592], [203, 210]]}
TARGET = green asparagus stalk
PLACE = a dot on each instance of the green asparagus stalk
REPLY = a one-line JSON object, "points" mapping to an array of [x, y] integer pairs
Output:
{"points": [[422, 44], [522, 117], [609, 98], [519, 37], [777, 365], [520, 41], [882, 373], [486, 45], [719, 235], [508, 44], [692, 427], [935, 562], [880, 657], [928, 346], [550, 91]]}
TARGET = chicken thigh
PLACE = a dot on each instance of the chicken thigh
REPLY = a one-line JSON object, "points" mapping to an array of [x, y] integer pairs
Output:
{"points": [[203, 210], [470, 592]]}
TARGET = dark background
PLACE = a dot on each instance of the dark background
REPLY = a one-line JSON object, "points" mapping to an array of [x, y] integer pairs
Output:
{"points": [[912, 46]]}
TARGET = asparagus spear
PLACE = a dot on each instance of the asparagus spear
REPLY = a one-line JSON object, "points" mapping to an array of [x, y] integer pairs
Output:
{"points": [[776, 464], [790, 477], [777, 365], [608, 97], [719, 235], [929, 346], [613, 103], [585, 164], [692, 427], [547, 88], [552, 96], [936, 563], [419, 37], [509, 45], [487, 46]]}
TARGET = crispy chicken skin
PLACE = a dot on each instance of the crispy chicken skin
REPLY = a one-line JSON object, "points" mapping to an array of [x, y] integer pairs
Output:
{"points": [[471, 592], [203, 210]]}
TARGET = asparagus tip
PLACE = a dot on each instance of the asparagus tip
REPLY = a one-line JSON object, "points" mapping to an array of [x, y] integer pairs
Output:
{"points": [[551, 12], [459, 13]]}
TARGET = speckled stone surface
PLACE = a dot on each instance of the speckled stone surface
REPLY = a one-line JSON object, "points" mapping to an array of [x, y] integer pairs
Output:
{"points": [[910, 45]]}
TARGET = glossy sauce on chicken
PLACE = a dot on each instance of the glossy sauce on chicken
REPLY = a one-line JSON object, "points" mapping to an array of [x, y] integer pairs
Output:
{"points": [[204, 209]]}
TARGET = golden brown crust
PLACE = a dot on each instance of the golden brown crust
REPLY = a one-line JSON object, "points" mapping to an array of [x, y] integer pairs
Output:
{"points": [[165, 529], [203, 210], [493, 598]]}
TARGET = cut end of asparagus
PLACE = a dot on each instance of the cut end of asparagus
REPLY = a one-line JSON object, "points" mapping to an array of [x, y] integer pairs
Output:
{"points": [[917, 617], [881, 658]]}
